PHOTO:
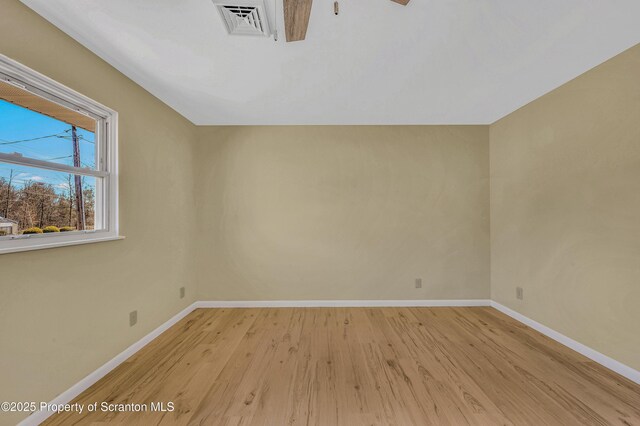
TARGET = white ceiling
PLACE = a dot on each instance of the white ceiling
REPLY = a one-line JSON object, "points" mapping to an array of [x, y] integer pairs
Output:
{"points": [[431, 62]]}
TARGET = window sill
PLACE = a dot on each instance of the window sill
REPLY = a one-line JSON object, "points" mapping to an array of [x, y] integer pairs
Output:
{"points": [[41, 245]]}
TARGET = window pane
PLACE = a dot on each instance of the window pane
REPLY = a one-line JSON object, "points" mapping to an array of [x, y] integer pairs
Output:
{"points": [[42, 137], [32, 197]]}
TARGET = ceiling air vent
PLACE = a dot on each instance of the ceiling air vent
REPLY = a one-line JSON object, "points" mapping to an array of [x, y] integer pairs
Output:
{"points": [[244, 17]]}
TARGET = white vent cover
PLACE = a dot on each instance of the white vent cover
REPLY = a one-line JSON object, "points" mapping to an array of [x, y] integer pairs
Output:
{"points": [[244, 17]]}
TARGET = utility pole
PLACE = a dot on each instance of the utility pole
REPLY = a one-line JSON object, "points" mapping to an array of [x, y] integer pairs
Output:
{"points": [[70, 198], [78, 179], [6, 209]]}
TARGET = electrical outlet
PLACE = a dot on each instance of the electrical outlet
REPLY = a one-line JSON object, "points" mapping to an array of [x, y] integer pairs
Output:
{"points": [[182, 292], [418, 282], [133, 318], [519, 293]]}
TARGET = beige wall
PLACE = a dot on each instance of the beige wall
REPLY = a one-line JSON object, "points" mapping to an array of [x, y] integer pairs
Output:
{"points": [[333, 213], [343, 212], [64, 311], [565, 209]]}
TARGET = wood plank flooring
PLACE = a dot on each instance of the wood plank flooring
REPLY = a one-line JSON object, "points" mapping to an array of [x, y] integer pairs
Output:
{"points": [[360, 366]]}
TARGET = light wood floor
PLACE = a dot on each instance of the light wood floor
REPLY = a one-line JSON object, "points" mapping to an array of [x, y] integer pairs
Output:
{"points": [[361, 366]]}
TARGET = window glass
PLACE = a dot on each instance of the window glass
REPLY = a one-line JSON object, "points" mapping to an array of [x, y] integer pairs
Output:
{"points": [[32, 199], [41, 137]]}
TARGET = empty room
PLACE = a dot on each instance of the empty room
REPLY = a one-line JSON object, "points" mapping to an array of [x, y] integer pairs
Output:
{"points": [[319, 212]]}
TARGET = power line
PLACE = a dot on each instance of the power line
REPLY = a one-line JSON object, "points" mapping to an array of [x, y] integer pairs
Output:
{"points": [[6, 142], [57, 158], [60, 135]]}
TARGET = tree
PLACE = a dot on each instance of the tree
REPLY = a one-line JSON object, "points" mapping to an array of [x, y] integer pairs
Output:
{"points": [[42, 204]]}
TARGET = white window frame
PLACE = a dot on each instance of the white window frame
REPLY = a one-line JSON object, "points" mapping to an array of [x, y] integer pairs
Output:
{"points": [[106, 170]]}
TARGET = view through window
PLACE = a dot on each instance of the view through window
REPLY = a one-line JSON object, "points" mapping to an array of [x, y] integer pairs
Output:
{"points": [[42, 200]]}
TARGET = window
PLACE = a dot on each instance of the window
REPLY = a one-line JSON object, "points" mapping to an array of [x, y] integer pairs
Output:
{"points": [[58, 164]]}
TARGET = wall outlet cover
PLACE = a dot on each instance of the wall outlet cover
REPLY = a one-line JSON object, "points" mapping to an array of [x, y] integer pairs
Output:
{"points": [[133, 318]]}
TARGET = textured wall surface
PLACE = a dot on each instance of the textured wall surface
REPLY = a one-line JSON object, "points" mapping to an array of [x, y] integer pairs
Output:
{"points": [[64, 311], [343, 212], [266, 213], [565, 209]]}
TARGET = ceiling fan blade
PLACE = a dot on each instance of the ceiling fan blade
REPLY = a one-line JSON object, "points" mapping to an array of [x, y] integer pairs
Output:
{"points": [[402, 2], [296, 18]]}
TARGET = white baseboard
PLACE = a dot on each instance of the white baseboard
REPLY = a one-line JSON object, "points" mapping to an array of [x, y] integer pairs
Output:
{"points": [[39, 416], [610, 363], [338, 303]]}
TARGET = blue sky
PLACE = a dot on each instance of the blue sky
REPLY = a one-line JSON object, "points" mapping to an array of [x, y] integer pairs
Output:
{"points": [[54, 144]]}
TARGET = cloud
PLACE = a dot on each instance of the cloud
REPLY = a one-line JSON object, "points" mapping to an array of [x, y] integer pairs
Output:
{"points": [[29, 177]]}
